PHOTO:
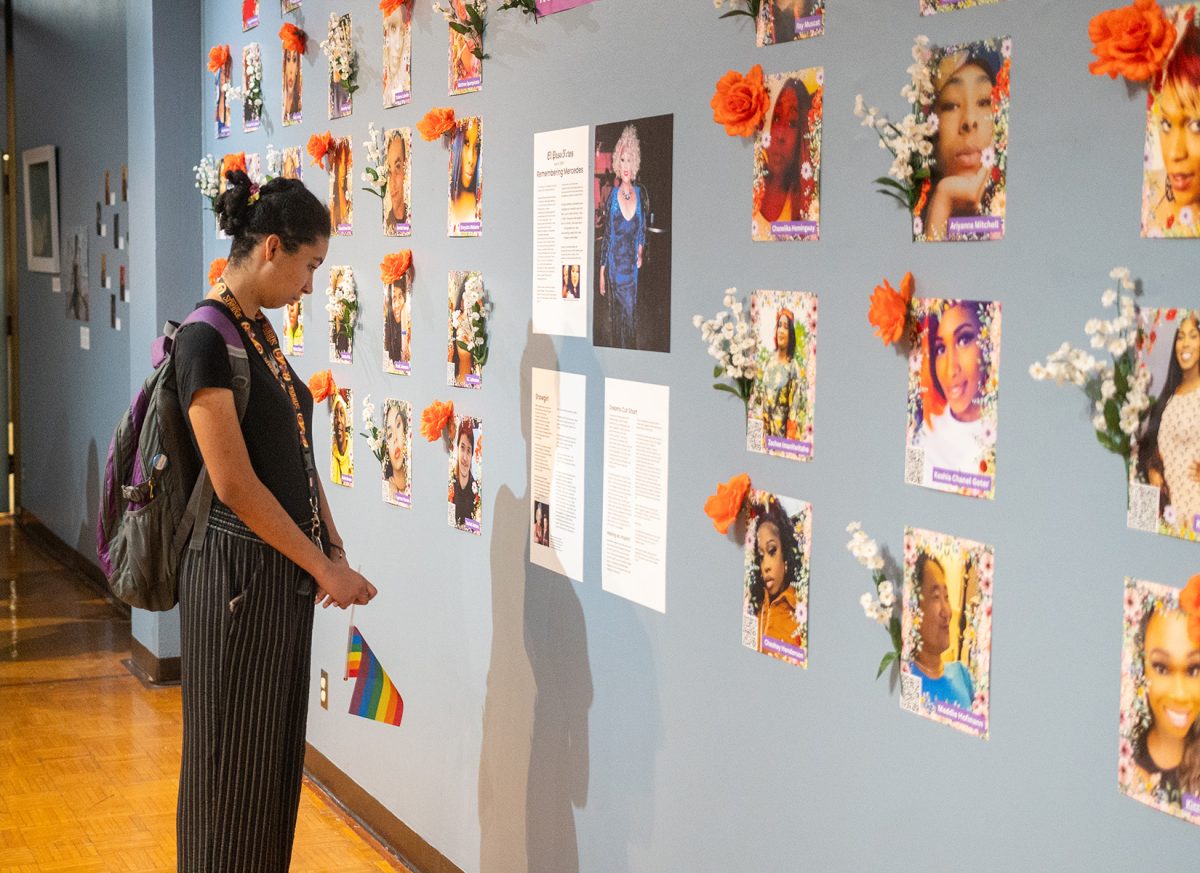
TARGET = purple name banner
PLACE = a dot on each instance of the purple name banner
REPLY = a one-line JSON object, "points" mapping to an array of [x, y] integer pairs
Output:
{"points": [[966, 225], [809, 23], [404, 500], [1196, 524], [779, 647], [344, 358], [958, 715], [344, 105], [401, 96], [470, 227], [1191, 804], [401, 367], [471, 524], [252, 124], [474, 380], [790, 448], [959, 479], [793, 228], [549, 7], [403, 228], [295, 117], [345, 228], [471, 82], [347, 480], [252, 21]]}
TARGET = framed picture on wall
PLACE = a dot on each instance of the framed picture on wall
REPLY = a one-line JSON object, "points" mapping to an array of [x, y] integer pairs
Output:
{"points": [[40, 175]]}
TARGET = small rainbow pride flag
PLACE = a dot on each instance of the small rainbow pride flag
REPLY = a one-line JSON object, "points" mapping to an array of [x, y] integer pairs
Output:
{"points": [[375, 697]]}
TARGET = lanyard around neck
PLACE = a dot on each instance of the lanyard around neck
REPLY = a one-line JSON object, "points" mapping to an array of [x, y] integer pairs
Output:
{"points": [[275, 361]]}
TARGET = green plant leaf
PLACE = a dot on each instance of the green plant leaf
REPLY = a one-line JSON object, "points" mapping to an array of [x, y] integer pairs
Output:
{"points": [[885, 663], [891, 183], [921, 173], [1112, 416], [459, 27], [903, 200], [718, 371]]}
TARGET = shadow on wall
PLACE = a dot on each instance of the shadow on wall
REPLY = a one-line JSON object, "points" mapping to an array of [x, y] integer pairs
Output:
{"points": [[533, 767], [91, 506]]}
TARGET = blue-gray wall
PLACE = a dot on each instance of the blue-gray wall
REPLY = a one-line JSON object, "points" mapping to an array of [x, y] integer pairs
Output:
{"points": [[552, 727], [71, 93]]}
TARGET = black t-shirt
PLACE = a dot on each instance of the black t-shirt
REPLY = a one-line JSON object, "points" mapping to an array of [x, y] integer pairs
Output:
{"points": [[269, 425]]}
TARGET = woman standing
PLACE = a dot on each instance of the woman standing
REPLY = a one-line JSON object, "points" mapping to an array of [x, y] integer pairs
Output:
{"points": [[782, 389], [624, 241], [246, 594], [1169, 448]]}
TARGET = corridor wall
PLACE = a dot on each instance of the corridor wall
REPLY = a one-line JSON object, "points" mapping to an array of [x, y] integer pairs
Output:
{"points": [[550, 726]]}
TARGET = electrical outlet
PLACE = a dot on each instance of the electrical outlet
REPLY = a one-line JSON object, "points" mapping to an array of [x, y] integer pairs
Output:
{"points": [[324, 690]]}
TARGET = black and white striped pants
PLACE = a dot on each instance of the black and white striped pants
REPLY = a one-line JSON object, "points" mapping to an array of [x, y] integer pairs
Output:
{"points": [[246, 615]]}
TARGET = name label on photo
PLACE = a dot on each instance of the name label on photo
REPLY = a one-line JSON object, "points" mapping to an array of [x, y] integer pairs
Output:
{"points": [[961, 479], [793, 228], [809, 23], [791, 448], [779, 647], [964, 225], [958, 715]]}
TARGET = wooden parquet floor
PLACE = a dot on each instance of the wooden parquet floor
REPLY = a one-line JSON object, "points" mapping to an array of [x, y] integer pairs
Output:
{"points": [[89, 757]]}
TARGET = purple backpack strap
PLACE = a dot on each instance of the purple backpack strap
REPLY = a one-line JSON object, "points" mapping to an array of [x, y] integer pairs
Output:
{"points": [[215, 319]]}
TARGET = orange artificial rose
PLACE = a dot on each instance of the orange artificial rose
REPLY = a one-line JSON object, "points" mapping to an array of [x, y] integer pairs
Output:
{"points": [[216, 268], [387, 7], [435, 418], [1133, 41], [393, 267], [437, 121], [318, 147], [322, 385], [1189, 602], [218, 57], [740, 102], [889, 309], [231, 162], [294, 39], [725, 506]]}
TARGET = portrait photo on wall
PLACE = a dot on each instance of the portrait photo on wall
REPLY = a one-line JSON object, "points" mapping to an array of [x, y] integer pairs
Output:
{"points": [[775, 578], [541, 523], [783, 398], [397, 201], [466, 69], [465, 495], [79, 298], [1171, 178], [293, 328], [397, 326], [632, 190], [1164, 488], [464, 212], [946, 630], [341, 100], [341, 186], [964, 197], [1159, 758], [467, 327], [286, 6], [932, 7], [397, 447], [39, 175], [571, 277], [293, 87], [341, 442], [252, 107], [789, 20], [787, 159], [397, 53], [343, 311], [249, 14], [953, 395], [292, 163], [224, 80]]}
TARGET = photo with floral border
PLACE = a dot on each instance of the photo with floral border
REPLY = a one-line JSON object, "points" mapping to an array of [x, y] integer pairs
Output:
{"points": [[341, 186], [787, 159], [466, 329], [342, 307], [965, 98], [953, 396], [932, 7], [1158, 760], [780, 415], [343, 65], [396, 466], [776, 576], [341, 438], [946, 630], [1163, 455], [252, 94], [782, 21], [397, 52], [464, 507], [1171, 174]]}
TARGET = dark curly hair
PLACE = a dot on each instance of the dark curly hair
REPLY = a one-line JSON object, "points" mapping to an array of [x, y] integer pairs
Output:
{"points": [[1188, 772], [772, 512], [284, 207]]}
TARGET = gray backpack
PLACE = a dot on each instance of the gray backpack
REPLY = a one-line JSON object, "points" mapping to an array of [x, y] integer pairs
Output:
{"points": [[157, 494]]}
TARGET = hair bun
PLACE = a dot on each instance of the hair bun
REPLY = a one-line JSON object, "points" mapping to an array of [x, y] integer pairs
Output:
{"points": [[233, 205]]}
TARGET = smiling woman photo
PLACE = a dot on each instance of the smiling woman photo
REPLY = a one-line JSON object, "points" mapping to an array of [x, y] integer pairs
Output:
{"points": [[775, 599], [1171, 195]]}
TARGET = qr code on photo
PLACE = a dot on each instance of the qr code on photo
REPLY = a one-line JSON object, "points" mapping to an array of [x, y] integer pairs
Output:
{"points": [[914, 465], [1143, 507], [749, 631], [755, 441], [910, 692]]}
